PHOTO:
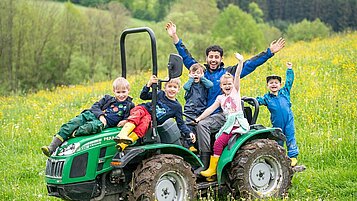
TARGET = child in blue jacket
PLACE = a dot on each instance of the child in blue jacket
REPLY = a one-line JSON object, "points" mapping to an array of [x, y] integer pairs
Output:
{"points": [[278, 102], [108, 112], [196, 91]]}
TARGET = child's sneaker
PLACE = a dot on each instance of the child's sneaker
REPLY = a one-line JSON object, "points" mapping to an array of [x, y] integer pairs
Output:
{"points": [[293, 162], [46, 150], [193, 149]]}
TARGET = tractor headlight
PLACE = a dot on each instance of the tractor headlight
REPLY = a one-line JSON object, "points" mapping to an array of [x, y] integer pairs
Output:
{"points": [[70, 149]]}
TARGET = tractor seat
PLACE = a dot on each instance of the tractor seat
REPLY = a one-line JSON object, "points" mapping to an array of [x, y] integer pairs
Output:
{"points": [[167, 133]]}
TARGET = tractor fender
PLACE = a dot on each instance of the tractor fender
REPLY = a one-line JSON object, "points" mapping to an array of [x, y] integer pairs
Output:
{"points": [[121, 159], [256, 132]]}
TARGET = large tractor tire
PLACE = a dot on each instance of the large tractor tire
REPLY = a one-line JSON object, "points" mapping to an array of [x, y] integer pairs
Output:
{"points": [[163, 177], [261, 169]]}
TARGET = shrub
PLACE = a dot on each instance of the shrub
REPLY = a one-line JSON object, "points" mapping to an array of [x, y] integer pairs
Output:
{"points": [[306, 30], [270, 32]]}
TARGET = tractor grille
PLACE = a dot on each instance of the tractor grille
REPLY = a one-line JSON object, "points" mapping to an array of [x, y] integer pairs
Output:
{"points": [[54, 168]]}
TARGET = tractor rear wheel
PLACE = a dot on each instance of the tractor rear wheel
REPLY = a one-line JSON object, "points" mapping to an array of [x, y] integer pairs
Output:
{"points": [[261, 169], [164, 177]]}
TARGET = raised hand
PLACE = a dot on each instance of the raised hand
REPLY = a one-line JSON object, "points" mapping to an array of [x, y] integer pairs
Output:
{"points": [[171, 30], [277, 45], [238, 56], [153, 79]]}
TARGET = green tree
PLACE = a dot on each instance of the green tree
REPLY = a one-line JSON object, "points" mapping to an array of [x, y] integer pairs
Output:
{"points": [[37, 71], [235, 30], [306, 30], [188, 26], [194, 27], [270, 32], [7, 13], [202, 21], [89, 3], [78, 71], [71, 25], [120, 18], [25, 44], [152, 10], [256, 12], [97, 39], [339, 14]]}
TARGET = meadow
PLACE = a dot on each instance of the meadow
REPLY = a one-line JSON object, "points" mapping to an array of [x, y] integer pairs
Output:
{"points": [[324, 105]]}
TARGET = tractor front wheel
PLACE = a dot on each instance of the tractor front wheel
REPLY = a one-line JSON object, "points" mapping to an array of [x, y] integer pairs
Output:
{"points": [[261, 169], [164, 177]]}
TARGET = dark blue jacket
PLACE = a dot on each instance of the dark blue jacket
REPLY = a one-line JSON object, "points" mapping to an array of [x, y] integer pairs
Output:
{"points": [[196, 96], [113, 110], [279, 106], [165, 109], [248, 67]]}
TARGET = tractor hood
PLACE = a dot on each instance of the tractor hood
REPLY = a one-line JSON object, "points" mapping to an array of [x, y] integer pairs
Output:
{"points": [[82, 158]]}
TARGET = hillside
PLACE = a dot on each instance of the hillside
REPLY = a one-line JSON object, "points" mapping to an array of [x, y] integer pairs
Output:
{"points": [[324, 105]]}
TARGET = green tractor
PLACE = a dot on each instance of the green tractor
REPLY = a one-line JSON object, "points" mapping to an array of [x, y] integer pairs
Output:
{"points": [[157, 167]]}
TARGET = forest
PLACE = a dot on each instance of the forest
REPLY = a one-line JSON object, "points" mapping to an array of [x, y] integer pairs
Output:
{"points": [[45, 44], [340, 14]]}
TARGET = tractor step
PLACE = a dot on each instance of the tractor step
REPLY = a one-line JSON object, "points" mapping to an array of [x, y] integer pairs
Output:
{"points": [[206, 184], [299, 168]]}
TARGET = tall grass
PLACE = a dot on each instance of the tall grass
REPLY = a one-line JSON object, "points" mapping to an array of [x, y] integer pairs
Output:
{"points": [[324, 106]]}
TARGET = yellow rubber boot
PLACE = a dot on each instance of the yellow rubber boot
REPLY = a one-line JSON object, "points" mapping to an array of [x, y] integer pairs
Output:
{"points": [[293, 161], [123, 136], [212, 170], [193, 149], [122, 146]]}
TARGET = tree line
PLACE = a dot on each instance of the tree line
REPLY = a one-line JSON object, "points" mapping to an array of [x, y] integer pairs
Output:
{"points": [[44, 44], [339, 14]]}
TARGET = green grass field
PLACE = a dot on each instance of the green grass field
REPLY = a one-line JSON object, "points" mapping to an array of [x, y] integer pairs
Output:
{"points": [[324, 106]]}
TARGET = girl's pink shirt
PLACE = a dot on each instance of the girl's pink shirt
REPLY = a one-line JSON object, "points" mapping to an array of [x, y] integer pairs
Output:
{"points": [[230, 103]]}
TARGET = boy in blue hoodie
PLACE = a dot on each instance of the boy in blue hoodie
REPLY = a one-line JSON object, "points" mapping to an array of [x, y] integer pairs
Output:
{"points": [[278, 102]]}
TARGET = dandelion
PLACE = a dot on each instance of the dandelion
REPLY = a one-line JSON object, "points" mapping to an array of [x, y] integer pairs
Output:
{"points": [[16, 126]]}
